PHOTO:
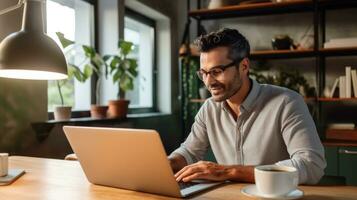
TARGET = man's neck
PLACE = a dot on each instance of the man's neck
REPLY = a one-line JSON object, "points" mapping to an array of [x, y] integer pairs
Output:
{"points": [[235, 101]]}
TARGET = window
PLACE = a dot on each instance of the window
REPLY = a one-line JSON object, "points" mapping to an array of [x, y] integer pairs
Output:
{"points": [[73, 18], [140, 30]]}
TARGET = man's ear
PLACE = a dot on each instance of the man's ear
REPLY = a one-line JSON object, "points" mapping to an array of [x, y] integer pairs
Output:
{"points": [[245, 65]]}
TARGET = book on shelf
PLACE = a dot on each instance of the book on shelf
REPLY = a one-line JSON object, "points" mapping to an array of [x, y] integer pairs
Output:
{"points": [[341, 126], [341, 43], [354, 81], [334, 87], [348, 82], [342, 86]]}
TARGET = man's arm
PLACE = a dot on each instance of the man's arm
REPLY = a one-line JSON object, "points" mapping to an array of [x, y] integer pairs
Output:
{"points": [[215, 172], [302, 141], [177, 162], [196, 144]]}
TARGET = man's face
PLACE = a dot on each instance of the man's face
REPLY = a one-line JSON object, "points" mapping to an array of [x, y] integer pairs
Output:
{"points": [[226, 83]]}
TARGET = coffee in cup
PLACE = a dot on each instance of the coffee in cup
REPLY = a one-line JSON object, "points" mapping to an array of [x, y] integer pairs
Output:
{"points": [[275, 180]]}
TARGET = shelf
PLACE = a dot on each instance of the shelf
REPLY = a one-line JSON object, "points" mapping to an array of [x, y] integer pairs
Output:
{"points": [[301, 53], [305, 98], [269, 8], [203, 100], [345, 51], [197, 100], [337, 99], [282, 54], [337, 4], [338, 134], [266, 8], [339, 143]]}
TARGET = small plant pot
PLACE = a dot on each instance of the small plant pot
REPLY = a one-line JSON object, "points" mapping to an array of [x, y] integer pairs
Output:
{"points": [[98, 112], [118, 108], [62, 113]]}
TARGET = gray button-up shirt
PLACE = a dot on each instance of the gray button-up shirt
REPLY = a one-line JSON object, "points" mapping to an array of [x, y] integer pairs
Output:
{"points": [[274, 127]]}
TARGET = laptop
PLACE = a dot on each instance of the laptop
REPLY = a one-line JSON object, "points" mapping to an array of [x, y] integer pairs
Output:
{"points": [[132, 159]]}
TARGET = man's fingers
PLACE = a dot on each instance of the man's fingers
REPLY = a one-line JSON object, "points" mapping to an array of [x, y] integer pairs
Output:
{"points": [[190, 170], [183, 170], [197, 175], [187, 167], [202, 169]]}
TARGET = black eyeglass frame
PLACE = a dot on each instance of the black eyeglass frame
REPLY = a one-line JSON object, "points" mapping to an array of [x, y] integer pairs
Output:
{"points": [[222, 67]]}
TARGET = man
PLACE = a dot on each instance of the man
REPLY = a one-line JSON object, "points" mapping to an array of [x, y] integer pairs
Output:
{"points": [[245, 123]]}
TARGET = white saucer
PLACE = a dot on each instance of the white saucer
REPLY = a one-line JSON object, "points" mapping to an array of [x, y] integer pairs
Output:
{"points": [[251, 191]]}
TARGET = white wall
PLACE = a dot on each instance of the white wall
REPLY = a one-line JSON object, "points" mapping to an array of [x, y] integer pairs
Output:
{"points": [[108, 40]]}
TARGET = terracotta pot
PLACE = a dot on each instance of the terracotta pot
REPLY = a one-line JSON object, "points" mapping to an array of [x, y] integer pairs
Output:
{"points": [[118, 108], [98, 112], [62, 113]]}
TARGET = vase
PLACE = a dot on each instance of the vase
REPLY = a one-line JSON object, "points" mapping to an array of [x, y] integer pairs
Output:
{"points": [[62, 113], [98, 112], [118, 108]]}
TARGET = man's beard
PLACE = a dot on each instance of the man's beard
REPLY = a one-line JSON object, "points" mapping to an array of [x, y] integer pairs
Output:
{"points": [[225, 91]]}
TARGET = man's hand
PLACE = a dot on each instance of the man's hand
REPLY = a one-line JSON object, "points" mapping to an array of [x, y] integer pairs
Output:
{"points": [[204, 170]]}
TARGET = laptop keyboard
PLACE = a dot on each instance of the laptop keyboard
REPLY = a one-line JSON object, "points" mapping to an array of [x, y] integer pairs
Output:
{"points": [[184, 185]]}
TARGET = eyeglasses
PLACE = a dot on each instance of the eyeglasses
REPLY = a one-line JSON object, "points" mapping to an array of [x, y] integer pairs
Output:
{"points": [[216, 72]]}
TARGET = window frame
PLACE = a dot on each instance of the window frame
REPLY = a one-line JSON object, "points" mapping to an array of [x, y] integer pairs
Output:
{"points": [[142, 19], [86, 113], [152, 23]]}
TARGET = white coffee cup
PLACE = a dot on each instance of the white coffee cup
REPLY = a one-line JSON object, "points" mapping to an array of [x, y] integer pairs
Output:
{"points": [[4, 165], [275, 180]]}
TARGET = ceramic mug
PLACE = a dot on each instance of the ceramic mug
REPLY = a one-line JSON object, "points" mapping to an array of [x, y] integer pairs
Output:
{"points": [[275, 180], [4, 164]]}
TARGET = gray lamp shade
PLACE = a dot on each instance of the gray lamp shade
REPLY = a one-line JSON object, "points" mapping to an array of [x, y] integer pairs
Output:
{"points": [[25, 54], [30, 53]]}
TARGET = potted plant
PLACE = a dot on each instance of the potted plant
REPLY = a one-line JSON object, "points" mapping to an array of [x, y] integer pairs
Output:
{"points": [[96, 64], [93, 63], [123, 70], [63, 112]]}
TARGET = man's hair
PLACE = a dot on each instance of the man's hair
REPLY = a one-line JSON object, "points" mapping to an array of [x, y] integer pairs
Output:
{"points": [[238, 45]]}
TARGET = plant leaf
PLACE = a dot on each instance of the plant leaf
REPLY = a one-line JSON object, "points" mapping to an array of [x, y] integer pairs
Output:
{"points": [[64, 41], [125, 47], [89, 51], [88, 71]]}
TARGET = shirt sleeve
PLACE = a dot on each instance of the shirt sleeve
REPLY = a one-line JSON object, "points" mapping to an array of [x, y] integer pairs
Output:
{"points": [[196, 144], [302, 141]]}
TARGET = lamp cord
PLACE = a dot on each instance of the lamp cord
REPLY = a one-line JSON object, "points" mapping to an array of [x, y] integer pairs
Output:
{"points": [[18, 5]]}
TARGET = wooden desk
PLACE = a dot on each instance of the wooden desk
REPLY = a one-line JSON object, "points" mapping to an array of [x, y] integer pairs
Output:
{"points": [[48, 179]]}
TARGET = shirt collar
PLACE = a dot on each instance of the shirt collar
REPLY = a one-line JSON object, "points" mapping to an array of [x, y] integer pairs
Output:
{"points": [[249, 101]]}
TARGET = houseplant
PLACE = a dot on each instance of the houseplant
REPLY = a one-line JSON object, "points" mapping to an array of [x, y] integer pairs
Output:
{"points": [[63, 112], [96, 63], [123, 70], [93, 62]]}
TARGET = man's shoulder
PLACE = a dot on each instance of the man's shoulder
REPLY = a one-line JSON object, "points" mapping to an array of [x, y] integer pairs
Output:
{"points": [[210, 103], [273, 91]]}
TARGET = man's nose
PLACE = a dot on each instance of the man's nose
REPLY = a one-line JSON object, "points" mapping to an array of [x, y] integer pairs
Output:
{"points": [[209, 79]]}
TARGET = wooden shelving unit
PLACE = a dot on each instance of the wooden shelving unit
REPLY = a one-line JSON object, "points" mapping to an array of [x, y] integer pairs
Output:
{"points": [[336, 99], [271, 54], [266, 8], [339, 143], [346, 51], [203, 100], [318, 9], [197, 100], [338, 134]]}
